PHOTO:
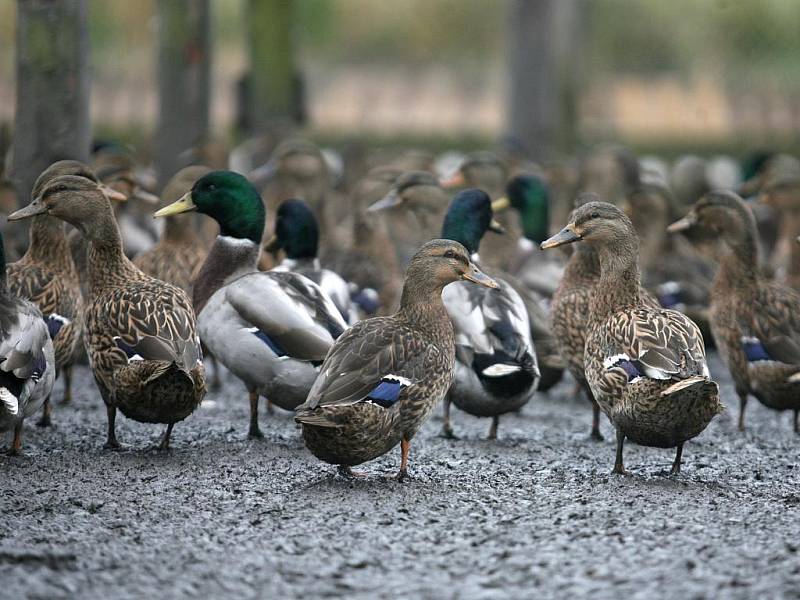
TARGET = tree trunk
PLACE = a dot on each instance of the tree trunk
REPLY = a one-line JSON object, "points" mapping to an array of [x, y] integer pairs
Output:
{"points": [[184, 70], [271, 91], [52, 113], [533, 113]]}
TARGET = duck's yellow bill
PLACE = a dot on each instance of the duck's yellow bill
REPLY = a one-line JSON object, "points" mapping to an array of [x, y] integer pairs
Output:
{"points": [[184, 204], [112, 194], [501, 204], [475, 275], [496, 227], [565, 236], [682, 224]]}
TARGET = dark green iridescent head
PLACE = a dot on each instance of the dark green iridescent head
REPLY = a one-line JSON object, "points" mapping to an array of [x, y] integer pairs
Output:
{"points": [[468, 218], [296, 230], [233, 202], [529, 195]]}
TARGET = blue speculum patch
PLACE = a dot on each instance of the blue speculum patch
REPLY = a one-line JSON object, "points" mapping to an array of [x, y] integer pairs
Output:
{"points": [[754, 350], [273, 345], [386, 393]]}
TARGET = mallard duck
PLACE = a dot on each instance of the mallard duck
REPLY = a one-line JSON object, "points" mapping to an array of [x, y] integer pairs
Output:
{"points": [[140, 332], [415, 207], [297, 234], [270, 329], [755, 322], [496, 370], [646, 367], [383, 377], [46, 275], [783, 195], [539, 270], [179, 253], [27, 360]]}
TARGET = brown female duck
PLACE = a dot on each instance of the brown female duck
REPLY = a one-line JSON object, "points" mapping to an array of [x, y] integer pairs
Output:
{"points": [[646, 367]]}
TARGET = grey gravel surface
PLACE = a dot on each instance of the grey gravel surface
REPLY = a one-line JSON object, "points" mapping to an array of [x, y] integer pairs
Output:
{"points": [[535, 512]]}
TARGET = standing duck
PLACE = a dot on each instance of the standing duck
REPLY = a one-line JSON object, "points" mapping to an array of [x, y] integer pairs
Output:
{"points": [[496, 370], [46, 275], [646, 367], [140, 332], [383, 377], [27, 360], [756, 323], [297, 234], [270, 329]]}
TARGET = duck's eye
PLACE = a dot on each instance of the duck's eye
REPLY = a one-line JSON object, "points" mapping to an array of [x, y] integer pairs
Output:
{"points": [[211, 187], [595, 215], [449, 254]]}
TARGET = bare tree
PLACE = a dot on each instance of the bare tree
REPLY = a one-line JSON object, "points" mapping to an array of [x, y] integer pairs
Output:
{"points": [[184, 68], [52, 111]]}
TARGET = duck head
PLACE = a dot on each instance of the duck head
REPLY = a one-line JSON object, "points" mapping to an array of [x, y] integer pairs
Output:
{"points": [[296, 231], [469, 218], [529, 196], [440, 262], [78, 169], [720, 214], [228, 198], [417, 191], [598, 223]]}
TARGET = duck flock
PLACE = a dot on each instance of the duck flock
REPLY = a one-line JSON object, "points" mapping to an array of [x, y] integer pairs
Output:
{"points": [[361, 290]]}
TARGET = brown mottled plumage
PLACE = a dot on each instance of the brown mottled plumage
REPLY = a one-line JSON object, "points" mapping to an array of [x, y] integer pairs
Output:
{"points": [[756, 322], [179, 253], [646, 367], [346, 420], [140, 332]]}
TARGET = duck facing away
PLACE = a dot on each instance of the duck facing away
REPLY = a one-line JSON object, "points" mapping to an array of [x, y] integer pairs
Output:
{"points": [[271, 330], [384, 375], [140, 332], [27, 360], [496, 369], [46, 275], [646, 367], [756, 323]]}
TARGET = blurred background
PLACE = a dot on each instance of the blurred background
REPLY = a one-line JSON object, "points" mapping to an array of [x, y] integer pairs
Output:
{"points": [[706, 76]]}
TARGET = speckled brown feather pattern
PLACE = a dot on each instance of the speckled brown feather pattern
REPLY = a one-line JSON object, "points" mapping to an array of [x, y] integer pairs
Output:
{"points": [[173, 261]]}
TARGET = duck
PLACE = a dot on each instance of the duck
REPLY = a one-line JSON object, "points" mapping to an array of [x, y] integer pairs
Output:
{"points": [[383, 377], [46, 275], [783, 195], [756, 322], [27, 359], [541, 271], [272, 330], [140, 332], [297, 234], [646, 367], [179, 253], [496, 368]]}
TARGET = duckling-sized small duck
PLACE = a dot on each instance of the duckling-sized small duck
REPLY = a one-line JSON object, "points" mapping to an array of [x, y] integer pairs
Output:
{"points": [[46, 275], [383, 377], [179, 253], [646, 367], [27, 360], [539, 270], [140, 332], [270, 329], [297, 234], [496, 370], [756, 322]]}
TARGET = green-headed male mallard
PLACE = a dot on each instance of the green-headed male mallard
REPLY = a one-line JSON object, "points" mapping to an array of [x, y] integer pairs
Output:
{"points": [[646, 367], [383, 376], [496, 370], [27, 361], [270, 329], [140, 332], [756, 323]]}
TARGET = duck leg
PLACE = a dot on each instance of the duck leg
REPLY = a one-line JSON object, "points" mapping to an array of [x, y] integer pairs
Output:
{"points": [[797, 420], [67, 372], [255, 430], [16, 444], [45, 420], [164, 445], [402, 475], [216, 382], [493, 428], [676, 466], [595, 435], [447, 428], [111, 438], [742, 405], [619, 467]]}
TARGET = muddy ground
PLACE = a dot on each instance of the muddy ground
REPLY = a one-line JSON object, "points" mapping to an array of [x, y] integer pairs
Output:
{"points": [[537, 510]]}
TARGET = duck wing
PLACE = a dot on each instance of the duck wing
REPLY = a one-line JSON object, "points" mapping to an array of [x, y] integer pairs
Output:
{"points": [[289, 310], [777, 323], [371, 353]]}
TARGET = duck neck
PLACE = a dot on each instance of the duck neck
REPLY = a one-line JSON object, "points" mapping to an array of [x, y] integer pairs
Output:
{"points": [[107, 264], [738, 264], [421, 302], [48, 243], [583, 265], [178, 230], [618, 287], [228, 259], [301, 264]]}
